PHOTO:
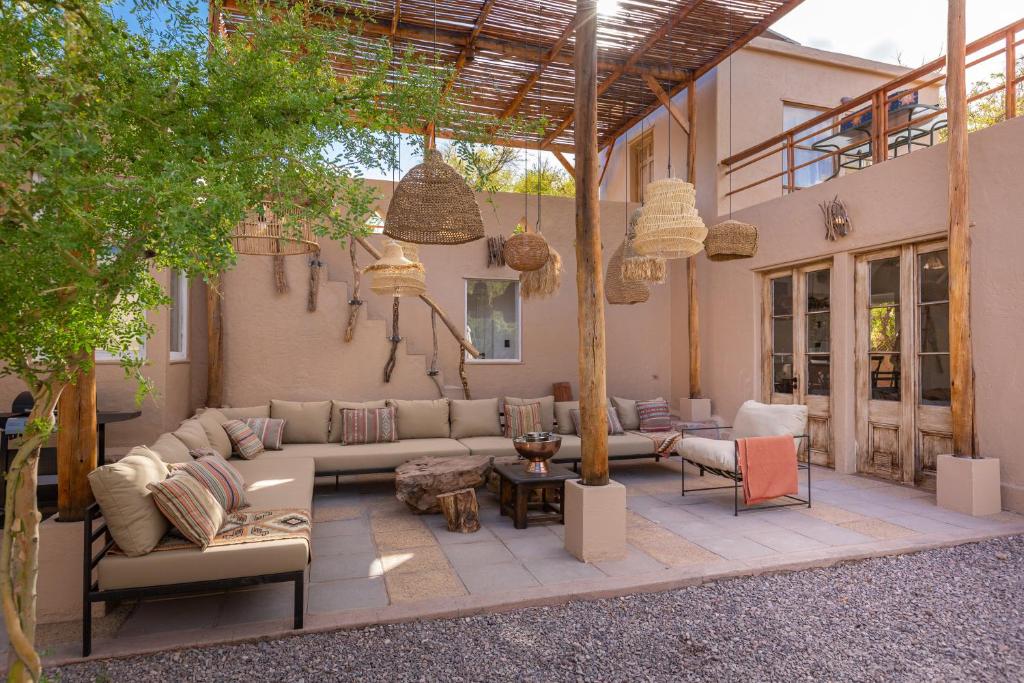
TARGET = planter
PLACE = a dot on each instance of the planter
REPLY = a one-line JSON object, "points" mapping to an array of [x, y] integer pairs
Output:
{"points": [[595, 521], [695, 409], [968, 485]]}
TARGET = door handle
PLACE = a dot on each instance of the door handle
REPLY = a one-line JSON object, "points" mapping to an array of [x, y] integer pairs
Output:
{"points": [[796, 383]]}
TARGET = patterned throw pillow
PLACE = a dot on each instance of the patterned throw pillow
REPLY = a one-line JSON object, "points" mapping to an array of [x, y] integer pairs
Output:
{"points": [[614, 425], [221, 479], [368, 425], [654, 416], [189, 507], [244, 441], [268, 430], [520, 419]]}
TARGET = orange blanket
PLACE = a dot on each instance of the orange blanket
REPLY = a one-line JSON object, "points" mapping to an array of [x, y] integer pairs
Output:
{"points": [[768, 466]]}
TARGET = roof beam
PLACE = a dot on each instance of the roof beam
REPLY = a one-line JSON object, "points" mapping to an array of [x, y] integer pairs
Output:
{"points": [[396, 17], [566, 164], [663, 97], [467, 49], [513, 105]]}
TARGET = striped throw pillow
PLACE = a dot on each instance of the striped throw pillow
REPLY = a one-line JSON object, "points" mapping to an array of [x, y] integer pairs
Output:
{"points": [[368, 425], [614, 424], [221, 479], [520, 419], [189, 507], [268, 430], [244, 441], [654, 416]]}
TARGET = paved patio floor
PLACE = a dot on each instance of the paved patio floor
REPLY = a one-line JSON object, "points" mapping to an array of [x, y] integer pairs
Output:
{"points": [[375, 562]]}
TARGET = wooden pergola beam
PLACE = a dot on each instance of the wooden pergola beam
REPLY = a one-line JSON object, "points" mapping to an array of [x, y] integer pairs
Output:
{"points": [[663, 97], [566, 164], [607, 161], [553, 52], [468, 48]]}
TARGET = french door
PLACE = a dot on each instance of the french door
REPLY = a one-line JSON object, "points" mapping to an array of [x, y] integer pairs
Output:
{"points": [[902, 362], [797, 347]]}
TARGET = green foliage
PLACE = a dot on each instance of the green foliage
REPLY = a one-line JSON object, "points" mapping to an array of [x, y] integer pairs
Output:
{"points": [[991, 109], [551, 180], [488, 168]]}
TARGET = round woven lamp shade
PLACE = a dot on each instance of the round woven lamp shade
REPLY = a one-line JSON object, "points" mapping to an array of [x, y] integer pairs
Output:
{"points": [[731, 240], [525, 251], [433, 204], [269, 235], [668, 226], [616, 290], [637, 267], [395, 275]]}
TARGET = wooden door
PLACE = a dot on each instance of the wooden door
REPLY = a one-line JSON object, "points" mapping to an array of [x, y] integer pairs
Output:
{"points": [[797, 346], [902, 362]]}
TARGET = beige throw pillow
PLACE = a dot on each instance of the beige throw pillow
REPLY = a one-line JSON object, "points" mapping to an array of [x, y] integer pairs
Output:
{"points": [[170, 448], [547, 410], [475, 418], [212, 421], [135, 522], [304, 422], [563, 416], [422, 419], [192, 434], [338, 406]]}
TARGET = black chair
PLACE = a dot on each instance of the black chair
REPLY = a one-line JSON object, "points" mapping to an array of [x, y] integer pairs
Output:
{"points": [[22, 403]]}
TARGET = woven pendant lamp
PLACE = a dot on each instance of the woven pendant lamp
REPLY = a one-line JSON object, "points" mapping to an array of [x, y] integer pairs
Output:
{"points": [[668, 226], [267, 234], [433, 204], [636, 267], [616, 290], [525, 251], [395, 275], [731, 240], [545, 281]]}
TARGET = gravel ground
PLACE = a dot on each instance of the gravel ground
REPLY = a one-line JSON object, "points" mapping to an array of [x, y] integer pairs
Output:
{"points": [[955, 614]]}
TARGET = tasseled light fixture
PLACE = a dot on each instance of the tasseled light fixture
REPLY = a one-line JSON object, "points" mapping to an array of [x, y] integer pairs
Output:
{"points": [[669, 226], [636, 267], [395, 275]]}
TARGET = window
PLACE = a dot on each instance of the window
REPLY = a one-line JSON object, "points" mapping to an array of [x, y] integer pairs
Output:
{"points": [[492, 319], [884, 332], [782, 335], [813, 173], [819, 332], [933, 340], [178, 290], [641, 165]]}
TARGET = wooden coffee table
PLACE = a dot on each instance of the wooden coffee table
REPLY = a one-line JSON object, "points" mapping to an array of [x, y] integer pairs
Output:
{"points": [[515, 485]]}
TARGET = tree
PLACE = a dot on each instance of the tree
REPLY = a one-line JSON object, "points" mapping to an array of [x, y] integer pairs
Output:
{"points": [[550, 179], [990, 110], [490, 168], [128, 151]]}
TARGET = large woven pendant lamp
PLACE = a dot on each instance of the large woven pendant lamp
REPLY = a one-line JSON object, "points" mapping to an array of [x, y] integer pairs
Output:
{"points": [[266, 234], [395, 275], [669, 226]]}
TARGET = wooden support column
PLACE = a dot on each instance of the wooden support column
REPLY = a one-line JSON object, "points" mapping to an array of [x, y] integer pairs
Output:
{"points": [[1011, 74], [960, 352], [214, 343], [589, 275], [693, 305], [76, 446]]}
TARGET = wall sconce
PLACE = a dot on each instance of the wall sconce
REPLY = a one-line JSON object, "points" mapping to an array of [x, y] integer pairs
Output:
{"points": [[837, 220]]}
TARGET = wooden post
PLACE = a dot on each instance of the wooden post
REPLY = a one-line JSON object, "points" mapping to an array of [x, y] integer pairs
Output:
{"points": [[214, 343], [589, 276], [76, 446], [1011, 74], [693, 306], [960, 353], [879, 119]]}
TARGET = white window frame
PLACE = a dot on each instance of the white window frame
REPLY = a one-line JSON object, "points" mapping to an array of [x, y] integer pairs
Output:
{"points": [[183, 313], [519, 322]]}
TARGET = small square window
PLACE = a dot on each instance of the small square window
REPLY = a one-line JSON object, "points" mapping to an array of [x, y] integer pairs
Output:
{"points": [[493, 322]]}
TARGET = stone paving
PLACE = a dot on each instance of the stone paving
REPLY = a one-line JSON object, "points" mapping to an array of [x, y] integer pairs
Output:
{"points": [[374, 561]]}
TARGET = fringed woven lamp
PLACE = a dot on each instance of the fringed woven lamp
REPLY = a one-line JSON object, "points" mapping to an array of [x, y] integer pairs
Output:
{"points": [[545, 281], [669, 226], [266, 234], [395, 275], [433, 204], [636, 267], [616, 290], [731, 240], [525, 250]]}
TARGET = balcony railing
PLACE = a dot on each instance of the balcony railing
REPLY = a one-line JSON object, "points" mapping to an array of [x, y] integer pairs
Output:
{"points": [[892, 120]]}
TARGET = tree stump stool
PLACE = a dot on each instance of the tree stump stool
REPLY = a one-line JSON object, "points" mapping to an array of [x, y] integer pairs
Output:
{"points": [[460, 511]]}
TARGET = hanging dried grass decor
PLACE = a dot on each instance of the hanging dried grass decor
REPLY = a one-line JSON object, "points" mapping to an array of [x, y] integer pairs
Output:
{"points": [[616, 290], [545, 281], [636, 267], [266, 234], [433, 204], [395, 275], [730, 240], [669, 226]]}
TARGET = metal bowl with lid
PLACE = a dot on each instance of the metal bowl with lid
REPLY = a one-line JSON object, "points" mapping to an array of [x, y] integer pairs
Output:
{"points": [[537, 448]]}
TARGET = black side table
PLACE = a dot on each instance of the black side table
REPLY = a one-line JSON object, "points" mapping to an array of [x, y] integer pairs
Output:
{"points": [[515, 485]]}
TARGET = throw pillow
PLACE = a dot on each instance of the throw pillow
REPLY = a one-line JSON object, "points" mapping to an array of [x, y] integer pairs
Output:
{"points": [[189, 507], [134, 521], [192, 434], [337, 406], [626, 408], [212, 421], [475, 418], [170, 449], [243, 438], [268, 430], [547, 409], [520, 419], [368, 425], [306, 422], [422, 419], [221, 479], [614, 426], [563, 416], [654, 416]]}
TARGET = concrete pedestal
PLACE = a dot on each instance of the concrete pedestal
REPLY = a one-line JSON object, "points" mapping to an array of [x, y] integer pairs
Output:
{"points": [[695, 409], [595, 521], [59, 585], [968, 485]]}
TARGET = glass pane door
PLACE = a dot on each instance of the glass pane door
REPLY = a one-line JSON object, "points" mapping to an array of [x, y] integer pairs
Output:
{"points": [[782, 335]]}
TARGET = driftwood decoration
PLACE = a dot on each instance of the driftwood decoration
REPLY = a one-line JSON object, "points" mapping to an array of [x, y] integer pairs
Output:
{"points": [[314, 282], [432, 371], [354, 303], [389, 367], [280, 276], [463, 376], [460, 511], [837, 220], [496, 252]]}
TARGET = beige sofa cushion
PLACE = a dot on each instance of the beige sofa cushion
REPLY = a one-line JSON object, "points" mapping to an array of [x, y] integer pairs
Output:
{"points": [[761, 419], [563, 414], [716, 453], [192, 434], [170, 448], [618, 445], [338, 406], [475, 418], [243, 413], [305, 422], [278, 484], [386, 456], [212, 421], [127, 505], [422, 419], [547, 410], [489, 445]]}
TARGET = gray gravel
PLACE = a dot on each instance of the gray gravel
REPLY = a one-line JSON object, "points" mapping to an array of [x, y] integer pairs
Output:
{"points": [[955, 614]]}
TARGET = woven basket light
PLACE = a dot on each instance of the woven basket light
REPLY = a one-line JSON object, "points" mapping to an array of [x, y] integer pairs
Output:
{"points": [[433, 204], [669, 226], [731, 240], [410, 251], [616, 290], [395, 275], [270, 235], [636, 267], [525, 251], [545, 281]]}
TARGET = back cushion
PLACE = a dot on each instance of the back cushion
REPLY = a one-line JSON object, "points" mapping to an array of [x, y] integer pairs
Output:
{"points": [[422, 419], [192, 434], [626, 410], [760, 419], [564, 416], [245, 413], [135, 522], [547, 410], [475, 418], [304, 422], [213, 421], [338, 406], [170, 448], [368, 425]]}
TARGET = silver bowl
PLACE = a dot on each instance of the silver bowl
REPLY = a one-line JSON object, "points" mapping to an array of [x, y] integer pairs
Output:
{"points": [[537, 448]]}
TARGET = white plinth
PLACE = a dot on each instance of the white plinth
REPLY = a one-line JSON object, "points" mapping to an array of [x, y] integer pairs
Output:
{"points": [[595, 521], [968, 485], [695, 409]]}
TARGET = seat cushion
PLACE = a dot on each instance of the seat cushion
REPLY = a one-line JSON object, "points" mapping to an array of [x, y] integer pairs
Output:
{"points": [[272, 483], [618, 445], [304, 422], [761, 419], [331, 458], [489, 445], [715, 453]]}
